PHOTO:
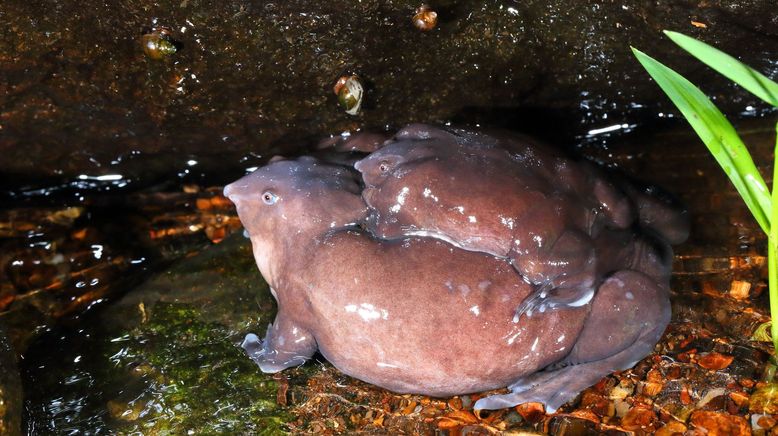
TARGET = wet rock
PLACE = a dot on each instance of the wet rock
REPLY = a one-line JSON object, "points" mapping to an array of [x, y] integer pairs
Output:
{"points": [[10, 389], [84, 99], [57, 261], [566, 424]]}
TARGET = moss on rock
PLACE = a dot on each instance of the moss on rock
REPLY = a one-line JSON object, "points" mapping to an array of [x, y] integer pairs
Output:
{"points": [[165, 359]]}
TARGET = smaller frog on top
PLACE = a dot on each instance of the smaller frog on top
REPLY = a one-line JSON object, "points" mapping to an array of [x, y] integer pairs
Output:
{"points": [[563, 224]]}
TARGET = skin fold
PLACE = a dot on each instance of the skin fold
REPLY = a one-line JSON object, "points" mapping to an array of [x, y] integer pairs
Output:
{"points": [[417, 314]]}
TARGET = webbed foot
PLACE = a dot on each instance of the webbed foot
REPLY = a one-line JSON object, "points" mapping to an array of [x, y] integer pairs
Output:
{"points": [[284, 346], [556, 387], [552, 388], [546, 297]]}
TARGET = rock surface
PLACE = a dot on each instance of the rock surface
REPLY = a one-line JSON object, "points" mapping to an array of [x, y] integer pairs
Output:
{"points": [[248, 80]]}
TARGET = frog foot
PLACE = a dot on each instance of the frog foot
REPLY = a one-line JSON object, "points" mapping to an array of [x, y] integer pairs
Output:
{"points": [[551, 388], [285, 345], [269, 360], [546, 297]]}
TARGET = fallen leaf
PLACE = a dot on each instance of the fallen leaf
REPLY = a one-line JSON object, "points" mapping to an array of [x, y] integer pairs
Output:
{"points": [[720, 424], [671, 428], [448, 424], [586, 414], [463, 416], [531, 412], [409, 409], [640, 417], [714, 361], [740, 398], [739, 289], [685, 397]]}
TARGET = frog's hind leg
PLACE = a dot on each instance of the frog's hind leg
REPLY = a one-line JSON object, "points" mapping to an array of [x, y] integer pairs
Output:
{"points": [[628, 317]]}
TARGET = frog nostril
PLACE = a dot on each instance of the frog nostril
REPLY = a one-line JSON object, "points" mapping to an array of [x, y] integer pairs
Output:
{"points": [[235, 192]]}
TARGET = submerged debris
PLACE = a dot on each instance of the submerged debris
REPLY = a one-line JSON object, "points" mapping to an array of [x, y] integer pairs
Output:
{"points": [[57, 261]]}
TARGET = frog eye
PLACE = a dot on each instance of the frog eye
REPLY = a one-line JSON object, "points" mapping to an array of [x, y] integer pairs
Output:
{"points": [[269, 198]]}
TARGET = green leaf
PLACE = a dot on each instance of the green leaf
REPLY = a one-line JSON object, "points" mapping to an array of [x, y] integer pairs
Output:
{"points": [[755, 82], [718, 135], [772, 251]]}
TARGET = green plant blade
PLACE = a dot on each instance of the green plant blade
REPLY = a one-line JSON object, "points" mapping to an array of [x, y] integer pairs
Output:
{"points": [[753, 81], [718, 135], [772, 249]]}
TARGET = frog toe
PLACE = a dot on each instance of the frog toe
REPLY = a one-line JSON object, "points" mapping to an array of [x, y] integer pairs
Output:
{"points": [[551, 388], [285, 345]]}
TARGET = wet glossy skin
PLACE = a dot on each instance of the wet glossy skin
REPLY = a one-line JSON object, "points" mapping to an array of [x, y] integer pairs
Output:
{"points": [[561, 223], [419, 315]]}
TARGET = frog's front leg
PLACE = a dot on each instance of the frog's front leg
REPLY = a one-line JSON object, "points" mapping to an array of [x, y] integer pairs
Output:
{"points": [[286, 344], [565, 274]]}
